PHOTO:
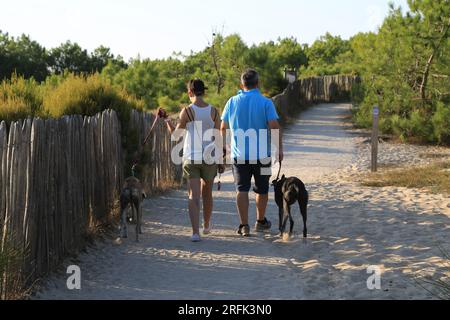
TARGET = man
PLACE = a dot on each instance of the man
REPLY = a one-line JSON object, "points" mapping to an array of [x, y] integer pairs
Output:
{"points": [[252, 119]]}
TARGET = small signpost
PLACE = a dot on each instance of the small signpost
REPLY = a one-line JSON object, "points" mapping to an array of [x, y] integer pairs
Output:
{"points": [[290, 75], [375, 136]]}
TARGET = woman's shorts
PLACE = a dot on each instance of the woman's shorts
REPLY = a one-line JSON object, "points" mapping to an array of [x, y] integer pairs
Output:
{"points": [[192, 170]]}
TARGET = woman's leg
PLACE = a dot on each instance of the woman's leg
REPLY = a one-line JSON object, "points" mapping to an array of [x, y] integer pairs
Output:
{"points": [[207, 188], [194, 204]]}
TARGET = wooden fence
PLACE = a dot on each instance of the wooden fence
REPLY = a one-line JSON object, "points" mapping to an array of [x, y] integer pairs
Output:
{"points": [[313, 90], [60, 179]]}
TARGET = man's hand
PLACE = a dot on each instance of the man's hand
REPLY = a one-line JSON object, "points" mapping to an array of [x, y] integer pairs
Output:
{"points": [[280, 156], [221, 169]]}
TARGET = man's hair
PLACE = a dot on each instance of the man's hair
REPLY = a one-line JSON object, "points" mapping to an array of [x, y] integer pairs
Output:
{"points": [[250, 79], [197, 87]]}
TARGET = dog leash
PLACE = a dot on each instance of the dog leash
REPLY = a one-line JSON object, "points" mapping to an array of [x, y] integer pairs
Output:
{"points": [[136, 161], [151, 130], [219, 184], [279, 171]]}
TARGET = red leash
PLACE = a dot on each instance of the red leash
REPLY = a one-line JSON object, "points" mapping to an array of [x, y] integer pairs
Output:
{"points": [[160, 114], [150, 132]]}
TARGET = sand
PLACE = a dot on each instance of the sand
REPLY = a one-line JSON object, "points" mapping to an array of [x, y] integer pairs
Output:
{"points": [[350, 228]]}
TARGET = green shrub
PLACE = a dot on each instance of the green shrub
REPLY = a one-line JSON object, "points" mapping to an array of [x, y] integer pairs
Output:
{"points": [[401, 115], [420, 126], [364, 101], [20, 98], [87, 96], [441, 123], [67, 94], [358, 93], [386, 124], [417, 127]]}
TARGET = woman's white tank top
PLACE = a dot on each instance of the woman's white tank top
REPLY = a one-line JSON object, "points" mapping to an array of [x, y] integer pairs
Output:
{"points": [[194, 143]]}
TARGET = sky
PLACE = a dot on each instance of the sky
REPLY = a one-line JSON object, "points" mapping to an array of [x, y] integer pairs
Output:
{"points": [[156, 29]]}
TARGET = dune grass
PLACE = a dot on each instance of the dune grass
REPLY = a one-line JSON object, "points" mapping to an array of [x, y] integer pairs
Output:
{"points": [[11, 284], [434, 177], [437, 286]]}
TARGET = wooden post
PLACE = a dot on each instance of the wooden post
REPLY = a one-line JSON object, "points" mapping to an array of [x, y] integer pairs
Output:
{"points": [[375, 135]]}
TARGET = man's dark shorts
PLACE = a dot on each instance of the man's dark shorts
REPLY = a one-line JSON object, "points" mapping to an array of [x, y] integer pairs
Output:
{"points": [[244, 171]]}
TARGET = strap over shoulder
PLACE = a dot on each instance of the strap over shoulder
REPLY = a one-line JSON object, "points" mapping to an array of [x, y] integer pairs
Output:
{"points": [[190, 113], [214, 114]]}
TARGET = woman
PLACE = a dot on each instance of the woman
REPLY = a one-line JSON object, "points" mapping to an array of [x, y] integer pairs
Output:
{"points": [[196, 119]]}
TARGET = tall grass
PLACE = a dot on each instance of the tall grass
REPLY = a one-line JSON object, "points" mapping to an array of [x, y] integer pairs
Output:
{"points": [[11, 282], [20, 98], [86, 96], [434, 177], [67, 94], [437, 286]]}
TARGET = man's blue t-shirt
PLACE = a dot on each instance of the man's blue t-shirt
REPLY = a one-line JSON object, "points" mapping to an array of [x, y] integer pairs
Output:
{"points": [[248, 114]]}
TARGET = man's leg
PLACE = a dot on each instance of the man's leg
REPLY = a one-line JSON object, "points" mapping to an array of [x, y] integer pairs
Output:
{"points": [[243, 178], [207, 188], [261, 206], [243, 204], [262, 177]]}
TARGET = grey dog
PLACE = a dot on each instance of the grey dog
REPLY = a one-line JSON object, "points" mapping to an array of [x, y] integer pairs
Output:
{"points": [[132, 195]]}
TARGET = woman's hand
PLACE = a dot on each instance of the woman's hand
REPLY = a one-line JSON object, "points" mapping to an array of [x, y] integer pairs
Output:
{"points": [[162, 114]]}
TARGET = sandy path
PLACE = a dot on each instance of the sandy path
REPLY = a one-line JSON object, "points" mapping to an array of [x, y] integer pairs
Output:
{"points": [[350, 228]]}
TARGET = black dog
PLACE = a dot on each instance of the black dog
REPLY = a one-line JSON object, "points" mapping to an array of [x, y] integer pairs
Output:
{"points": [[287, 192]]}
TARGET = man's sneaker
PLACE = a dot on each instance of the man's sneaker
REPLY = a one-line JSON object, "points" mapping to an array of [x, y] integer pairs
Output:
{"points": [[263, 226], [196, 238], [244, 230]]}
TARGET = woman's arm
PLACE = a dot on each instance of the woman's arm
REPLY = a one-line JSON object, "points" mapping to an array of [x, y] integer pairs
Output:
{"points": [[170, 125], [180, 126]]}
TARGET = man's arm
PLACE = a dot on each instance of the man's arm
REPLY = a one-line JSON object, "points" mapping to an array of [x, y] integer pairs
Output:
{"points": [[225, 126], [275, 128]]}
